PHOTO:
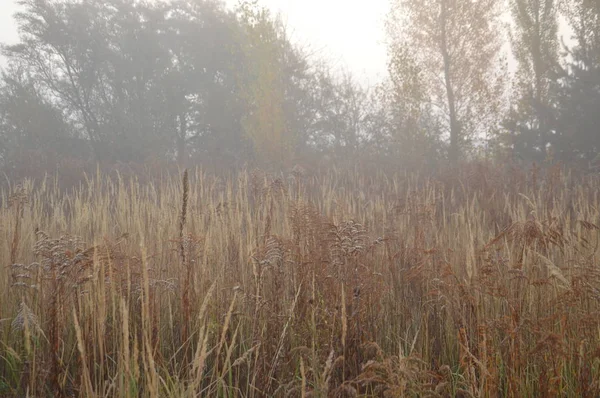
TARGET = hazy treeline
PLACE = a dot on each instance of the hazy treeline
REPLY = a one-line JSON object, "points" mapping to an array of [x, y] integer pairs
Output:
{"points": [[193, 82]]}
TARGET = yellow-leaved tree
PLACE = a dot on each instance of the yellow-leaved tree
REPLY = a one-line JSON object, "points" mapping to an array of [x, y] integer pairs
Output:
{"points": [[262, 85], [452, 49]]}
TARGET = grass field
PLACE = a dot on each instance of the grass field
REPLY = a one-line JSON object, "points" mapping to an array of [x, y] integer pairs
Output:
{"points": [[477, 283]]}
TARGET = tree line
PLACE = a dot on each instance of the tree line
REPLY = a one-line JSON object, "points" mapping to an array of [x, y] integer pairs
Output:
{"points": [[193, 82]]}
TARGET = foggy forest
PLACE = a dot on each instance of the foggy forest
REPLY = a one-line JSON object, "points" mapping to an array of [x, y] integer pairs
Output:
{"points": [[194, 204]]}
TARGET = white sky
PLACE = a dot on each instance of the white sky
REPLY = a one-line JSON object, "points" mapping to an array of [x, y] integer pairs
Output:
{"points": [[347, 33], [8, 32]]}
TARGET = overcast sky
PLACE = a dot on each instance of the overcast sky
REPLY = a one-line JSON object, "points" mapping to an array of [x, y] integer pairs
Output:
{"points": [[347, 33], [8, 31]]}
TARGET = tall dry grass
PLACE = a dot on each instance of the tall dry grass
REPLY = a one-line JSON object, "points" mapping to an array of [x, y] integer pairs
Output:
{"points": [[480, 283]]}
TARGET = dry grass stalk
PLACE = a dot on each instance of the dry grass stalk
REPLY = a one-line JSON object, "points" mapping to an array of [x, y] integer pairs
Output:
{"points": [[86, 379], [475, 283]]}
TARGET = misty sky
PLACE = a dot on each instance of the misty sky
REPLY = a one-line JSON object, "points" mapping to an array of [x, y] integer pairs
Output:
{"points": [[348, 34]]}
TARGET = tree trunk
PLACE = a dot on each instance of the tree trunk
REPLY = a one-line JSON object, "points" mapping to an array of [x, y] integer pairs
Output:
{"points": [[537, 71], [454, 125]]}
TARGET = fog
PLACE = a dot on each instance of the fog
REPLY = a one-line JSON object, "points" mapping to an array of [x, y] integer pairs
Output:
{"points": [[310, 198], [404, 84], [309, 25]]}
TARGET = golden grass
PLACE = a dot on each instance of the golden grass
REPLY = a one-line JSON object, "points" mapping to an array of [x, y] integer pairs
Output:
{"points": [[476, 283]]}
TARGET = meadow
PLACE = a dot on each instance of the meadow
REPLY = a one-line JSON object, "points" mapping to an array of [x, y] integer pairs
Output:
{"points": [[477, 282]]}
